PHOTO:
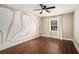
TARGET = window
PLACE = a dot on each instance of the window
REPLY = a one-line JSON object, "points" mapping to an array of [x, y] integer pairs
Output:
{"points": [[53, 25]]}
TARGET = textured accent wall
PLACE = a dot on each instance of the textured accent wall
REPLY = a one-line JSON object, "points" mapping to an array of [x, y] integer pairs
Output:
{"points": [[16, 26]]}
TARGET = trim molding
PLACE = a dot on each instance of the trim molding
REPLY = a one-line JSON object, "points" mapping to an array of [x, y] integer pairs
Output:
{"points": [[67, 39], [59, 38], [76, 45]]}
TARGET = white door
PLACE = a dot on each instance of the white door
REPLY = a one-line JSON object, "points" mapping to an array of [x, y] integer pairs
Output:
{"points": [[55, 27]]}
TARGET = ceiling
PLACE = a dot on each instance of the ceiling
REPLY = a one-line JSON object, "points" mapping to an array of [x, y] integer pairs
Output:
{"points": [[60, 8]]}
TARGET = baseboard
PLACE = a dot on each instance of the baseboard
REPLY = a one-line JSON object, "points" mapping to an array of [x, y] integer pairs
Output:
{"points": [[44, 35], [76, 46], [67, 39], [59, 38], [8, 44]]}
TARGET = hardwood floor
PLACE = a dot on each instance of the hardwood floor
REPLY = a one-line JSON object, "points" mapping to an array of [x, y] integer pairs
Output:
{"points": [[43, 45]]}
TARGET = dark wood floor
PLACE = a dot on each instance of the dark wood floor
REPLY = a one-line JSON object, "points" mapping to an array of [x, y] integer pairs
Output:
{"points": [[43, 45]]}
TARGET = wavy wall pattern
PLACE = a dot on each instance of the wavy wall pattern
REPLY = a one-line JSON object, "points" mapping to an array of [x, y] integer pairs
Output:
{"points": [[10, 26], [25, 29], [17, 27], [5, 19]]}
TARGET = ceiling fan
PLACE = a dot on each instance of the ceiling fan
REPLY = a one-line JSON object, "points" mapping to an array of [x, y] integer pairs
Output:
{"points": [[44, 7]]}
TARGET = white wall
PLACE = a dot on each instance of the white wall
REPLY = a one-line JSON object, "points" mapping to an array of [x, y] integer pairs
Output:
{"points": [[76, 28], [67, 21], [67, 27], [16, 27]]}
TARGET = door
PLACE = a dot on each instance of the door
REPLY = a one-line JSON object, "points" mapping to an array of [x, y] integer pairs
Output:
{"points": [[55, 27]]}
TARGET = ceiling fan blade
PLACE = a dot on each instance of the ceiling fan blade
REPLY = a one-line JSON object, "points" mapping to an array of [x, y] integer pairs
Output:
{"points": [[51, 7], [37, 9], [47, 11], [42, 6], [41, 12]]}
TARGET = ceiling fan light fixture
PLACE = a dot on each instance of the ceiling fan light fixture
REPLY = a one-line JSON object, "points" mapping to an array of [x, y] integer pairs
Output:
{"points": [[44, 8]]}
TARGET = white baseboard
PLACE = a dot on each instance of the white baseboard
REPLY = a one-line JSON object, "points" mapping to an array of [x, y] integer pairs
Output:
{"points": [[67, 39], [59, 38], [45, 35], [76, 46], [8, 44]]}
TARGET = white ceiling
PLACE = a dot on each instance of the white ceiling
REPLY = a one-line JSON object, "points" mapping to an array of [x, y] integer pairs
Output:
{"points": [[60, 8]]}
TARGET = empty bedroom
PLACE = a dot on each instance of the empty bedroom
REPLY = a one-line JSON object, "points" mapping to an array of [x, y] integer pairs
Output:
{"points": [[39, 28]]}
